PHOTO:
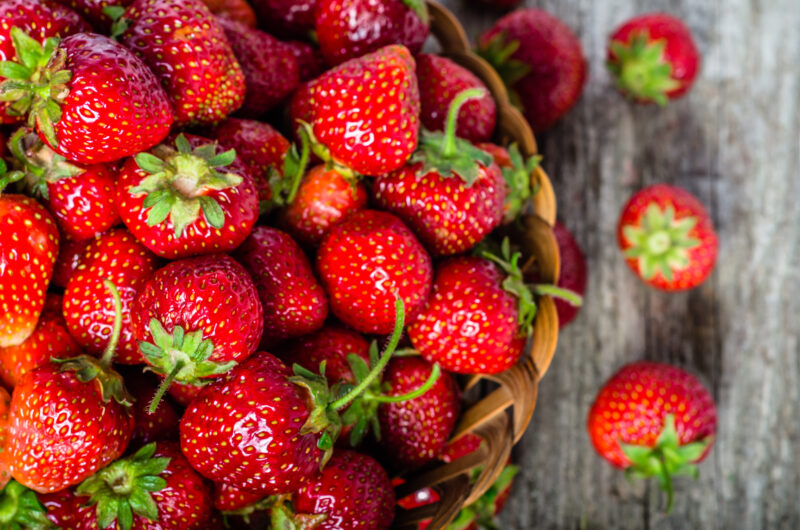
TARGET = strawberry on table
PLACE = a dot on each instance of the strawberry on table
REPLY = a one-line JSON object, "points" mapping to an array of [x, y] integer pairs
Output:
{"points": [[187, 49], [364, 113], [541, 62], [451, 193], [653, 58], [667, 238], [573, 274], [294, 302], [102, 103], [187, 197], [653, 419], [347, 29]]}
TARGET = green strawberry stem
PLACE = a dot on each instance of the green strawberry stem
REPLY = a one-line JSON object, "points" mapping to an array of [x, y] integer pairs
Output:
{"points": [[324, 154], [162, 388], [7, 178], [449, 146], [377, 369], [420, 390], [284, 186], [571, 297], [640, 69], [20, 509], [111, 348]]}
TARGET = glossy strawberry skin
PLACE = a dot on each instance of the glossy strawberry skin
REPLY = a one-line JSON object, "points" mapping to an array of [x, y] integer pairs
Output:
{"points": [[89, 307], [469, 324], [83, 206], [67, 510], [354, 492], [149, 427], [553, 53], [573, 275], [331, 344], [92, 10], [228, 498], [370, 138], [632, 405], [414, 432], [50, 339], [183, 393], [39, 19], [440, 80], [244, 430], [294, 302], [351, 28], [286, 18], [210, 293], [28, 249], [447, 215], [69, 255], [107, 76], [363, 261], [270, 68], [236, 10], [239, 205], [323, 199], [187, 49], [60, 429], [5, 403]]}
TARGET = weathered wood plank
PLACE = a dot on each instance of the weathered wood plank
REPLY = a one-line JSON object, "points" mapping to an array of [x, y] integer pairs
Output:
{"points": [[734, 142]]}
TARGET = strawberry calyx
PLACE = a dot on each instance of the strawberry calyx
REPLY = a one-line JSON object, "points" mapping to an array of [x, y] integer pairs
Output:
{"points": [[498, 52], [322, 419], [284, 184], [125, 488], [660, 243], [20, 509], [324, 154], [640, 69], [482, 512], [180, 356], [283, 516], [40, 164], [447, 154], [88, 368], [8, 177], [36, 86], [518, 182], [667, 458], [180, 181]]}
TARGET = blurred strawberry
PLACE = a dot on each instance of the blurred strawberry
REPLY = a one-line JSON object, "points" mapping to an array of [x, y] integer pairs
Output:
{"points": [[236, 10], [309, 59], [95, 11], [290, 19], [69, 255], [573, 274]]}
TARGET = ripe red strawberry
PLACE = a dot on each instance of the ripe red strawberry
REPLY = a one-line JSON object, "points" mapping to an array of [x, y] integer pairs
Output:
{"points": [[451, 193], [518, 174], [187, 197], [94, 11], [236, 10], [286, 18], [367, 260], [541, 62], [41, 19], [101, 104], [294, 302], [667, 238], [347, 29], [653, 58], [28, 250], [270, 68], [415, 431], [187, 49], [196, 318], [184, 393], [89, 308], [69, 254], [160, 425], [228, 498], [332, 344], [440, 81], [309, 59], [353, 491], [83, 397], [50, 339], [654, 419], [5, 402], [153, 488], [323, 199], [364, 112], [573, 272]]}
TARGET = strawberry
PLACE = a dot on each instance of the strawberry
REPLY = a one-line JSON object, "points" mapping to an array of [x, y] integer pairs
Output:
{"points": [[183, 393], [573, 272], [440, 81], [270, 68], [294, 303], [89, 309], [541, 62], [518, 174], [49, 340], [69, 254], [367, 260], [95, 11], [153, 488], [228, 498], [309, 59], [347, 29], [353, 491], [150, 427], [82, 397], [286, 18], [236, 10], [80, 198], [356, 120], [186, 197], [182, 333], [28, 250], [323, 199], [5, 475], [451, 193], [89, 97], [653, 58], [653, 419], [331, 344], [667, 238], [187, 49], [40, 19]]}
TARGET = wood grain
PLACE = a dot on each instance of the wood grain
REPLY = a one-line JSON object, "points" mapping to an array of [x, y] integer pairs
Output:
{"points": [[735, 143]]}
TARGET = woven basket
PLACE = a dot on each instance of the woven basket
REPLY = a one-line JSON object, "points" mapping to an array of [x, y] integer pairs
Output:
{"points": [[502, 415]]}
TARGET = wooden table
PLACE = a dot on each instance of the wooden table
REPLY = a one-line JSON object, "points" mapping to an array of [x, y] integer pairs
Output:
{"points": [[734, 142]]}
